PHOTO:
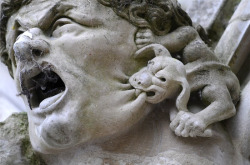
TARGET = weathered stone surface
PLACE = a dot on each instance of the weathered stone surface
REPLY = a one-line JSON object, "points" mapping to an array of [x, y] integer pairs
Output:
{"points": [[107, 74], [233, 47], [203, 12], [15, 147], [212, 15], [221, 20], [239, 126], [95, 156]]}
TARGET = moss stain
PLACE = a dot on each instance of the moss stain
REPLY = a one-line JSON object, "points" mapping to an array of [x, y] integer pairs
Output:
{"points": [[17, 147]]}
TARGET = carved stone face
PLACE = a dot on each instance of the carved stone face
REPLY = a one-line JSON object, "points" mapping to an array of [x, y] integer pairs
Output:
{"points": [[157, 79], [74, 60]]}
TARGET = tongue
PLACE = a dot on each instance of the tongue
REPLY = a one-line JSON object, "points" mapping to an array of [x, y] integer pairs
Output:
{"points": [[49, 101]]}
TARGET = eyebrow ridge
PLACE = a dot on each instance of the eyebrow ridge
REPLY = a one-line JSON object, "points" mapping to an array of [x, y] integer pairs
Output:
{"points": [[58, 9]]}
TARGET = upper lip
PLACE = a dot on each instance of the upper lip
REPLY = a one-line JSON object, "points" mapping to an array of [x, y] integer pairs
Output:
{"points": [[39, 83]]}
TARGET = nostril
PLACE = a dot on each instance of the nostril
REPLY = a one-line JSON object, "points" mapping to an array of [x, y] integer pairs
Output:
{"points": [[163, 79], [36, 52]]}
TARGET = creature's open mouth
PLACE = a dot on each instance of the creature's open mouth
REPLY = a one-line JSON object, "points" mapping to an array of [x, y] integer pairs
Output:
{"points": [[42, 86], [150, 93]]}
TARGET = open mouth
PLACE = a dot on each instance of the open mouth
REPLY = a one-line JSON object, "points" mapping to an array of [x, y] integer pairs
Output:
{"points": [[47, 84]]}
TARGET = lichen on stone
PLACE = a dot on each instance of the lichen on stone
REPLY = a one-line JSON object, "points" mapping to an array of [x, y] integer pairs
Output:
{"points": [[15, 147]]}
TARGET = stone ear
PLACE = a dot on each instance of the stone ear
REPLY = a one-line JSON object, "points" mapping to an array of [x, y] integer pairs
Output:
{"points": [[151, 51]]}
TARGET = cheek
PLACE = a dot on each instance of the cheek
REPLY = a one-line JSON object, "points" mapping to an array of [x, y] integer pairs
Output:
{"points": [[100, 48], [106, 116], [111, 52]]}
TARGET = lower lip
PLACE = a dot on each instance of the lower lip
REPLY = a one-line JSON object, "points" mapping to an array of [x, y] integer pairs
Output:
{"points": [[49, 104]]}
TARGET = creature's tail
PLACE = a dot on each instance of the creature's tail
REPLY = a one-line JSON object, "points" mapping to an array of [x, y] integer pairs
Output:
{"points": [[182, 99]]}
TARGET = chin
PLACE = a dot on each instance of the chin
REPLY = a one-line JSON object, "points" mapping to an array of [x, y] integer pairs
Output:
{"points": [[52, 140]]}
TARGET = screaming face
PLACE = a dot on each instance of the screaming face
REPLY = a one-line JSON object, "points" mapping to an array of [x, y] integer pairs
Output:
{"points": [[39, 83], [74, 59]]}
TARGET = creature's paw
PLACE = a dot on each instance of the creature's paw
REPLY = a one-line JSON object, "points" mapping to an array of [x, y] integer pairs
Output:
{"points": [[144, 37], [187, 124]]}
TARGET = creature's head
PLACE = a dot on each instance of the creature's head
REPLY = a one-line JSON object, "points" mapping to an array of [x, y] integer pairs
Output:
{"points": [[162, 78]]}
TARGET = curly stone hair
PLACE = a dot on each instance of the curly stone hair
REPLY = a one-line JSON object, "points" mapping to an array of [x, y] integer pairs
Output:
{"points": [[152, 14]]}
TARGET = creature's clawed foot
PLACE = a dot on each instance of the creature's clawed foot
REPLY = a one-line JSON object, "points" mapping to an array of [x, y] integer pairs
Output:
{"points": [[187, 124], [144, 37]]}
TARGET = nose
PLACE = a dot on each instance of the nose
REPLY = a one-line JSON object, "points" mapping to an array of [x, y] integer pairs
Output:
{"points": [[30, 44], [141, 79], [144, 79]]}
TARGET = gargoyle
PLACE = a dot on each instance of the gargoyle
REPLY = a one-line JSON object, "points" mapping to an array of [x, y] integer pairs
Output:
{"points": [[162, 78]]}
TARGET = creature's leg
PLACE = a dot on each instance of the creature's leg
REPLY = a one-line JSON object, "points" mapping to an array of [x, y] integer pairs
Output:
{"points": [[220, 104], [220, 107]]}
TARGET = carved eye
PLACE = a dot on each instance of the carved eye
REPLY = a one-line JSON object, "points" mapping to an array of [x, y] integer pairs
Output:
{"points": [[60, 22], [19, 31]]}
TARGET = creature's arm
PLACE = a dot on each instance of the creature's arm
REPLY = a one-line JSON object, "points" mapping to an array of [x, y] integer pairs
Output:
{"points": [[184, 39], [187, 40], [174, 41]]}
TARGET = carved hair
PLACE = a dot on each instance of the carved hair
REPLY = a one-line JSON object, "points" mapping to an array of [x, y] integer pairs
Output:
{"points": [[153, 14]]}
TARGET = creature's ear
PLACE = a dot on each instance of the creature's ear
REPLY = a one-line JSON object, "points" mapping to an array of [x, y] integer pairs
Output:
{"points": [[182, 99], [151, 51]]}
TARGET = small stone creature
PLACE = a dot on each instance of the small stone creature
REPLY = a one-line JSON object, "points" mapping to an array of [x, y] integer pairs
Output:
{"points": [[163, 77], [218, 86], [164, 22]]}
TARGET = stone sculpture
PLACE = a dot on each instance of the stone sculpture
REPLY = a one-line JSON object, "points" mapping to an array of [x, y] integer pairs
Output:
{"points": [[83, 68]]}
